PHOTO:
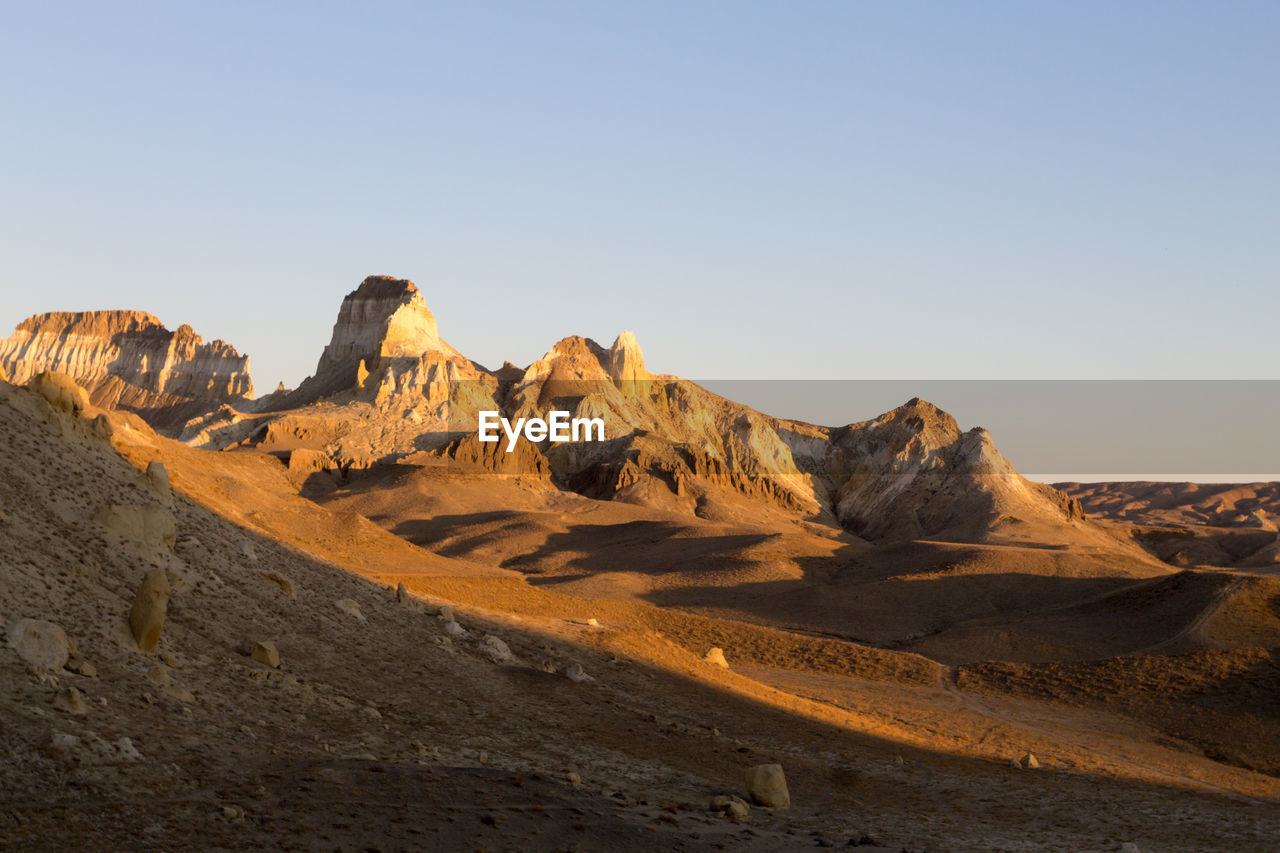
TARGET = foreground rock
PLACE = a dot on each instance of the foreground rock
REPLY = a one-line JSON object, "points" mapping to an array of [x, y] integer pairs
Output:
{"points": [[497, 650], [60, 390], [767, 786], [715, 657], [150, 527], [732, 807], [41, 645], [71, 701], [146, 617], [265, 652]]}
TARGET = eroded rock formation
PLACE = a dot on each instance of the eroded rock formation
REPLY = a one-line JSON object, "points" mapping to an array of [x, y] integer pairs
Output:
{"points": [[128, 359]]}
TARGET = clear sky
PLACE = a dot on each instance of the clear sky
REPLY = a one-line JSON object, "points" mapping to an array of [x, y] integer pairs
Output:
{"points": [[758, 190]]}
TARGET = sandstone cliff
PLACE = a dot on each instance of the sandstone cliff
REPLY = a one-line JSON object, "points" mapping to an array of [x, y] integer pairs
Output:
{"points": [[128, 359]]}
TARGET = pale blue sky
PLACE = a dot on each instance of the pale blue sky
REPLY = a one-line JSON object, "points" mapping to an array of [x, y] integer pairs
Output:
{"points": [[758, 190]]}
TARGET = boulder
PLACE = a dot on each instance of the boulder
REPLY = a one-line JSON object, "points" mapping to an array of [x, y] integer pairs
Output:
{"points": [[715, 656], [734, 808], [446, 613], [498, 650], [575, 673], [146, 617], [180, 693], [80, 666], [767, 786], [151, 526], [158, 675], [60, 390], [102, 427], [453, 629], [1029, 762], [41, 645], [265, 651], [351, 607], [158, 477], [71, 701], [402, 595]]}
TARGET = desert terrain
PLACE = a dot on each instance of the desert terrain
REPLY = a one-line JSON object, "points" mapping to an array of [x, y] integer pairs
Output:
{"points": [[329, 618]]}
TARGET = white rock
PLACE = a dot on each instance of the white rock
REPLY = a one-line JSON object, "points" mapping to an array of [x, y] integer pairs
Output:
{"points": [[453, 629], [350, 607], [42, 645], [575, 673]]}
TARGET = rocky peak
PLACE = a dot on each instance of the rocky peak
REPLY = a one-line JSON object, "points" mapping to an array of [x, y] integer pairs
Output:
{"points": [[626, 362], [133, 347], [384, 317]]}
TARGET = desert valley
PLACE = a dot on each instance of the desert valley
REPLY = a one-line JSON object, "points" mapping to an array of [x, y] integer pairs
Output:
{"points": [[331, 618]]}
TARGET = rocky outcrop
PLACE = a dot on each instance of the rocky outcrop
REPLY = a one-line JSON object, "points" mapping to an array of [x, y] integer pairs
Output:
{"points": [[133, 345], [626, 364], [128, 360], [146, 616], [911, 473], [61, 391], [767, 785], [41, 644], [383, 317]]}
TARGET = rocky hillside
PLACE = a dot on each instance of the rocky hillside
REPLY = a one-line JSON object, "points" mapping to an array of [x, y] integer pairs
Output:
{"points": [[129, 360], [388, 388]]}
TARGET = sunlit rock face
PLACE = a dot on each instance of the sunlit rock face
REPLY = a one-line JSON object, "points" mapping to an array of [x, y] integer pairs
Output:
{"points": [[383, 318], [102, 349]]}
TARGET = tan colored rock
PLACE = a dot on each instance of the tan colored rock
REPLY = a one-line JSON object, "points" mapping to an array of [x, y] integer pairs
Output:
{"points": [[767, 786], [148, 527], [351, 607], [384, 317], [80, 666], [1029, 762], [60, 390], [625, 365], [41, 645], [265, 652], [305, 460], [715, 656], [130, 348], [497, 649], [146, 617], [158, 675], [177, 691], [158, 477], [103, 427], [71, 701], [402, 595], [446, 613]]}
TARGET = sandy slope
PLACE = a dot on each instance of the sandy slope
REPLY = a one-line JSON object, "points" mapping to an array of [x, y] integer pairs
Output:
{"points": [[374, 734]]}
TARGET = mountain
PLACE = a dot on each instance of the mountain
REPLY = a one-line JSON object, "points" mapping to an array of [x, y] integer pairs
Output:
{"points": [[129, 360], [389, 389]]}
